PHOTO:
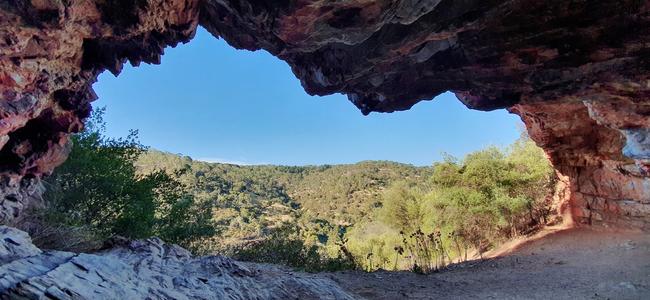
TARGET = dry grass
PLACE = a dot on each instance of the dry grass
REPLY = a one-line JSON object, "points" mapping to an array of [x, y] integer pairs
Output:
{"points": [[53, 236]]}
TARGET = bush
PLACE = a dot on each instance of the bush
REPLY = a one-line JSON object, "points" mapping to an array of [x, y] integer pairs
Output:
{"points": [[490, 196], [284, 246], [99, 190], [54, 235]]}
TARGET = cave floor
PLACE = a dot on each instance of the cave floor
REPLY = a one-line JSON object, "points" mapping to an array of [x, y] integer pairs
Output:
{"points": [[570, 264]]}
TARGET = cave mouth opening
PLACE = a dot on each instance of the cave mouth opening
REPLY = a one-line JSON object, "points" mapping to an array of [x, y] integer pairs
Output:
{"points": [[215, 103], [279, 108], [580, 95], [242, 101]]}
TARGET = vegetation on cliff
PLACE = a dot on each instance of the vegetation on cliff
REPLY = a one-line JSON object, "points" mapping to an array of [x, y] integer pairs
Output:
{"points": [[369, 215]]}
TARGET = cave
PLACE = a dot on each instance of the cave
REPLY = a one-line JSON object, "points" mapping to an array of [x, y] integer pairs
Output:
{"points": [[576, 72]]}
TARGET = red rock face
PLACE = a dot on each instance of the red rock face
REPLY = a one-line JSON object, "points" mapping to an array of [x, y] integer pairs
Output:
{"points": [[575, 71], [607, 185], [50, 54]]}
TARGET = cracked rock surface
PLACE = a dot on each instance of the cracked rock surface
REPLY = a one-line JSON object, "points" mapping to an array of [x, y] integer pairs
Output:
{"points": [[145, 269]]}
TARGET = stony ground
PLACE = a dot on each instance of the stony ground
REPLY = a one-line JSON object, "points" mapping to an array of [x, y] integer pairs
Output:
{"points": [[571, 264], [146, 269]]}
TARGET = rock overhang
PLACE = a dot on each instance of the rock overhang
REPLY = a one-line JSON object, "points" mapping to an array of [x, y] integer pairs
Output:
{"points": [[494, 53], [575, 71]]}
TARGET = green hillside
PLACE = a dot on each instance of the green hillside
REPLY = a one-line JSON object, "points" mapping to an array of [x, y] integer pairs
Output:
{"points": [[370, 215], [249, 200]]}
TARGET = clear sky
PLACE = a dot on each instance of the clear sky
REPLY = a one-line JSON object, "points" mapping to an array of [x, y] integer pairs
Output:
{"points": [[214, 103]]}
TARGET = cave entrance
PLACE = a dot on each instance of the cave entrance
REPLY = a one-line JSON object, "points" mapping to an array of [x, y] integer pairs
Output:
{"points": [[326, 168]]}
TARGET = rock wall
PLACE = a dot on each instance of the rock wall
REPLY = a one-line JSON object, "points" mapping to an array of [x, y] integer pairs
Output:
{"points": [[145, 269], [577, 72], [602, 153], [51, 53]]}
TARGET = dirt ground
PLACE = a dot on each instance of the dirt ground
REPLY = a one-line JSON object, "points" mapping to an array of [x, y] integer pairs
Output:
{"points": [[569, 264]]}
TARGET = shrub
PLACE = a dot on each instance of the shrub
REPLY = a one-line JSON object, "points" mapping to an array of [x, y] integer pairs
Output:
{"points": [[99, 190], [50, 234], [284, 246]]}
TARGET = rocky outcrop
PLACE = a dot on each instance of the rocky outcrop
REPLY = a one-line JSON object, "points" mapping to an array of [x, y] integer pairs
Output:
{"points": [[50, 54], [18, 194], [577, 72], [145, 269], [601, 149]]}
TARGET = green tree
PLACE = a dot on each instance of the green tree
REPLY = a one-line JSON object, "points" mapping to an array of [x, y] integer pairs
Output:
{"points": [[99, 186], [489, 196], [402, 208]]}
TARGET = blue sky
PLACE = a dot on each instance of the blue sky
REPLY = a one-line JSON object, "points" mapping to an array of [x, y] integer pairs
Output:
{"points": [[212, 102]]}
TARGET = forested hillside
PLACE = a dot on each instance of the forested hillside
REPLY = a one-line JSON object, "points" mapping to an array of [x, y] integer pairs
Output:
{"points": [[248, 201], [369, 215]]}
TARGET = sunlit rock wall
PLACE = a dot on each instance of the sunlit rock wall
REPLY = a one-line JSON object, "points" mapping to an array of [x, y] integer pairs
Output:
{"points": [[602, 149], [577, 72]]}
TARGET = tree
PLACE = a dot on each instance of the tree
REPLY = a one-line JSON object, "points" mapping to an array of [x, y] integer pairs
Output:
{"points": [[402, 208], [489, 196], [99, 186]]}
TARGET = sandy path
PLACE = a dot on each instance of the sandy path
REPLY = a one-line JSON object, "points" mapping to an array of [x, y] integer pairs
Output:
{"points": [[570, 264]]}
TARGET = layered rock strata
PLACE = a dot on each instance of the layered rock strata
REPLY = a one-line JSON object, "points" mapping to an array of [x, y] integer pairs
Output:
{"points": [[577, 72], [145, 269]]}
